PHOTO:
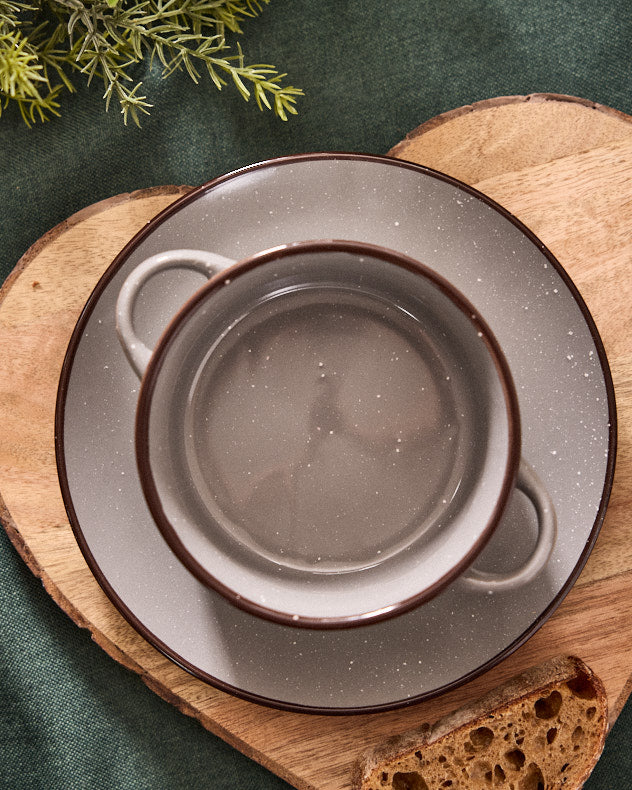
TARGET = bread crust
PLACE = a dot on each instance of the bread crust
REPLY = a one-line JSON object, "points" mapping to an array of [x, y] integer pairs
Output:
{"points": [[519, 693]]}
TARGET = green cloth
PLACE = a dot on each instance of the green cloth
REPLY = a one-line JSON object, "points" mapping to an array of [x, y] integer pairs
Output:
{"points": [[70, 717]]}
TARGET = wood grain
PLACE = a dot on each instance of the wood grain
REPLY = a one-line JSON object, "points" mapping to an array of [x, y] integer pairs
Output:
{"points": [[577, 198], [511, 133]]}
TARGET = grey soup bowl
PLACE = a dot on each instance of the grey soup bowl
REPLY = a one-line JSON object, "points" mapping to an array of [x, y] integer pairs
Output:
{"points": [[327, 432]]}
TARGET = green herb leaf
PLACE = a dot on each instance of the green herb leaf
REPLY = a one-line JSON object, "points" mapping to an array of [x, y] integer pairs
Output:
{"points": [[45, 44]]}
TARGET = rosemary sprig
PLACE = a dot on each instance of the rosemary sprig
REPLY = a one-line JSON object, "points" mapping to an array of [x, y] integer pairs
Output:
{"points": [[45, 44]]}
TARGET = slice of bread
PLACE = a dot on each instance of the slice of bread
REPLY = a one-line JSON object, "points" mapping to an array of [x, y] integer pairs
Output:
{"points": [[542, 730]]}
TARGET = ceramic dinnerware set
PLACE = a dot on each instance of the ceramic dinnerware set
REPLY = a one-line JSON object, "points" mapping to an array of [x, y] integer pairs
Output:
{"points": [[332, 393]]}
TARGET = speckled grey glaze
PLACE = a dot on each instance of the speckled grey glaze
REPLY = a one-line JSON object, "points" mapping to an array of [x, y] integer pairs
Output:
{"points": [[327, 433], [568, 434]]}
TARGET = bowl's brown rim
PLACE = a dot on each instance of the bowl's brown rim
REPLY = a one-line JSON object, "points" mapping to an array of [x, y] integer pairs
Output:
{"points": [[158, 643], [509, 461]]}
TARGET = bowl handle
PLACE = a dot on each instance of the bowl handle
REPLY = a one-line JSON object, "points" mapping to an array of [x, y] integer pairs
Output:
{"points": [[531, 485], [208, 263]]}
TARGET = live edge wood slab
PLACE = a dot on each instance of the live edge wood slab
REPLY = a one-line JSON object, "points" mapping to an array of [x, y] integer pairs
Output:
{"points": [[564, 167]]}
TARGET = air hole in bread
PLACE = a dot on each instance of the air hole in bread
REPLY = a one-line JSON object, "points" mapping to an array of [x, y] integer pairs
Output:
{"points": [[515, 758], [481, 738], [590, 713], [578, 734], [577, 737], [442, 757], [481, 771], [551, 735], [548, 707], [533, 779], [499, 774], [582, 687], [409, 781]]}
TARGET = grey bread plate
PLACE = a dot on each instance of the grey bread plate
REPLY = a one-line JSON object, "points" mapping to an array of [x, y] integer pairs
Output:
{"points": [[565, 395]]}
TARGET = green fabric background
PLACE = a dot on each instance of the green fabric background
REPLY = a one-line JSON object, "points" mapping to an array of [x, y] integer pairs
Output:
{"points": [[70, 717]]}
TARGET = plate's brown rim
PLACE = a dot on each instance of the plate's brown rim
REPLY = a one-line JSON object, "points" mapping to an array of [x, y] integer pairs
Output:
{"points": [[148, 387], [76, 527]]}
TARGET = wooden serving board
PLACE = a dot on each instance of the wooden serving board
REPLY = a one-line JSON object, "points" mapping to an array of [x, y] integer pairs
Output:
{"points": [[564, 167]]}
